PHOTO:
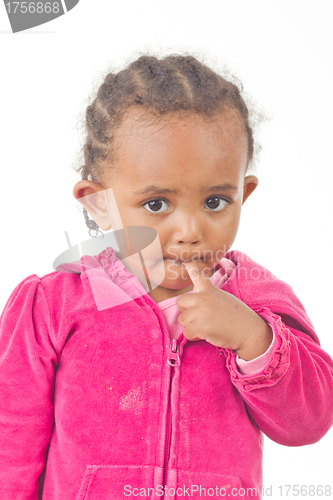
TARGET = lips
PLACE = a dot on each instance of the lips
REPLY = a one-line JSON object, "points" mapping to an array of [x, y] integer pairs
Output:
{"points": [[180, 261]]}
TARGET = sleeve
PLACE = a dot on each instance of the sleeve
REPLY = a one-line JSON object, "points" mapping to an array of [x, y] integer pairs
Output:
{"points": [[291, 399], [257, 364], [27, 374]]}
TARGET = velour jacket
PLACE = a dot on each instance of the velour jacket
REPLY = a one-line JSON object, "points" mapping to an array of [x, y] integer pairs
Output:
{"points": [[91, 409]]}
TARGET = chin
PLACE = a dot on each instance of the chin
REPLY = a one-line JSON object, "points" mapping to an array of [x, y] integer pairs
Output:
{"points": [[174, 284]]}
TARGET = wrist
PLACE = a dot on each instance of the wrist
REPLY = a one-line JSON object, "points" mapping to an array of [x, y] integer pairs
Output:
{"points": [[257, 342]]}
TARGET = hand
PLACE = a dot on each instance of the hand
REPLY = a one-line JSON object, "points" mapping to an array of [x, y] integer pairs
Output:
{"points": [[220, 318]]}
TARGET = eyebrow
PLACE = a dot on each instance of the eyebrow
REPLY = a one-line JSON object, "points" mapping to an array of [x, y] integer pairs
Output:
{"points": [[155, 189]]}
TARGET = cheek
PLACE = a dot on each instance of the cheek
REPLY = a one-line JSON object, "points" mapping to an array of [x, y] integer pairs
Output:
{"points": [[229, 225], [235, 219], [228, 228]]}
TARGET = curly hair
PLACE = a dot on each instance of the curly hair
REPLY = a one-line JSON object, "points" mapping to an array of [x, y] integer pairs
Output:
{"points": [[173, 84]]}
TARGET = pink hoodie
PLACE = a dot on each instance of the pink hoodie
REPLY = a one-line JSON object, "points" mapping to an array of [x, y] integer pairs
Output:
{"points": [[90, 408]]}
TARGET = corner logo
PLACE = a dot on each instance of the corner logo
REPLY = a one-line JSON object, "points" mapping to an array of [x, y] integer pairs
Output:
{"points": [[25, 15]]}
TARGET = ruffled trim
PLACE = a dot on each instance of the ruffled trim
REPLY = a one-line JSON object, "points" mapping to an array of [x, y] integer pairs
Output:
{"points": [[275, 369], [111, 264], [111, 283], [119, 274]]}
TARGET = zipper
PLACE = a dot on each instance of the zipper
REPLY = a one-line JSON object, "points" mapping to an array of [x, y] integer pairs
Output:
{"points": [[174, 361]]}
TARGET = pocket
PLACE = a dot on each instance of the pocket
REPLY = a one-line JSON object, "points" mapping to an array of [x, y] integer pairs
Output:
{"points": [[200, 485], [114, 482]]}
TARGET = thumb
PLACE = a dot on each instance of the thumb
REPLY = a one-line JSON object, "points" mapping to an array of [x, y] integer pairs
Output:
{"points": [[200, 280]]}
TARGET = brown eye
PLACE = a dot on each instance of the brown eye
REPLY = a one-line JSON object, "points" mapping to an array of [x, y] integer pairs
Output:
{"points": [[155, 206], [216, 203]]}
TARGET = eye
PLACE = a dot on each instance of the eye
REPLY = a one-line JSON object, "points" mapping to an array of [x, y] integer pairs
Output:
{"points": [[216, 204], [155, 205]]}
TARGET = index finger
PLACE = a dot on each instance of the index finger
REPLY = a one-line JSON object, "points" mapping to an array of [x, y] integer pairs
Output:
{"points": [[199, 279]]}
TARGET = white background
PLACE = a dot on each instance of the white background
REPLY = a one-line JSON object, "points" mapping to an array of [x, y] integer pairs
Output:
{"points": [[281, 51]]}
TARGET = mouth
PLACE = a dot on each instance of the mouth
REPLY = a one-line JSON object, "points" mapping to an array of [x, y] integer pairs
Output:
{"points": [[179, 261]]}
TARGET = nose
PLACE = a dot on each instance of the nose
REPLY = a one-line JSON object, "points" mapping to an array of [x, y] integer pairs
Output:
{"points": [[189, 229]]}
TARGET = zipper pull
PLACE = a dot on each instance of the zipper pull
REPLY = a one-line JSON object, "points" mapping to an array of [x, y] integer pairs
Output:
{"points": [[174, 359]]}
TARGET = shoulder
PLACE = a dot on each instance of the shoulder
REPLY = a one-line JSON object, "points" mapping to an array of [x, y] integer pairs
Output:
{"points": [[55, 286], [68, 295], [256, 283], [52, 302]]}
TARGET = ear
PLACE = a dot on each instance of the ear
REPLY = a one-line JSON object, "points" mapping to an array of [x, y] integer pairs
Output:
{"points": [[250, 183], [92, 196]]}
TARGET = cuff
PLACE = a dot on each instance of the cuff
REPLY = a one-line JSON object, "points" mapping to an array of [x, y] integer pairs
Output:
{"points": [[278, 364], [257, 364]]}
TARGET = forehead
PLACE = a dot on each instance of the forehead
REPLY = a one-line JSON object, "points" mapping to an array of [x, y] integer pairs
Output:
{"points": [[168, 145]]}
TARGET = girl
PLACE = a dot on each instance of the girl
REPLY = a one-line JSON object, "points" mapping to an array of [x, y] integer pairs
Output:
{"points": [[161, 382]]}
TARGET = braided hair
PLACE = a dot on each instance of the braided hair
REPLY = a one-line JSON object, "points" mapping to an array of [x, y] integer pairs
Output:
{"points": [[173, 84]]}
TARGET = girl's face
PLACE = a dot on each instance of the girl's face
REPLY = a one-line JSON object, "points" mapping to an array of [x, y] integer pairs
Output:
{"points": [[185, 178]]}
